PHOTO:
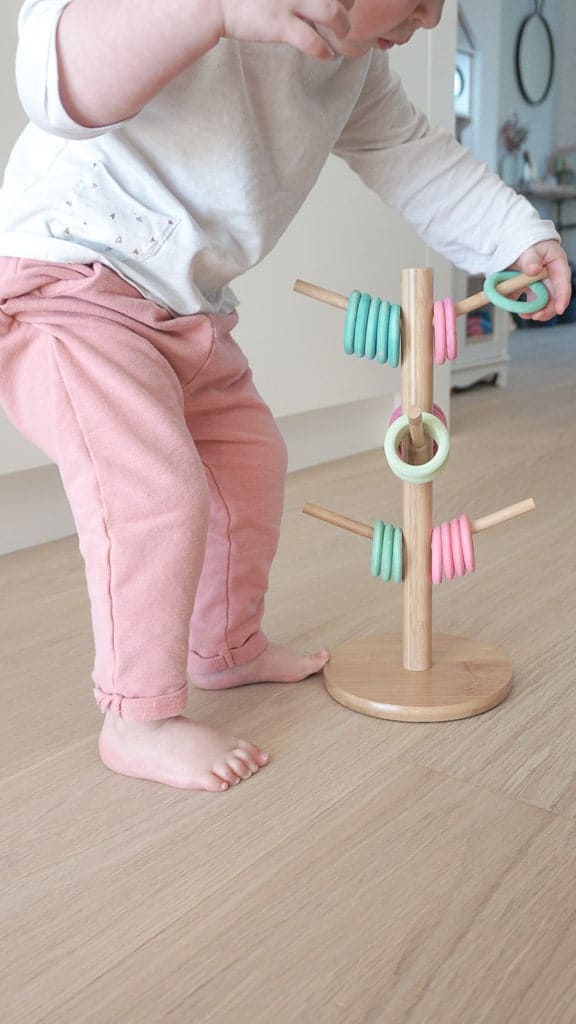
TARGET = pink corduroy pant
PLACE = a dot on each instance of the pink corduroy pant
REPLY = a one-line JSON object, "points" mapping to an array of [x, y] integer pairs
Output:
{"points": [[172, 463]]}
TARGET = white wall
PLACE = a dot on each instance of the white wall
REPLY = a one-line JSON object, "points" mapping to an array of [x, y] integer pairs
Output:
{"points": [[497, 97], [327, 404]]}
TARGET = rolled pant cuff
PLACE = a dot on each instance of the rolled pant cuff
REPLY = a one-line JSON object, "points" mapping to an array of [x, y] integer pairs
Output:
{"points": [[143, 709], [255, 644]]}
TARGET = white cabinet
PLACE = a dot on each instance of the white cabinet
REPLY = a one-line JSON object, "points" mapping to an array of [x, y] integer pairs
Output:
{"points": [[482, 338]]}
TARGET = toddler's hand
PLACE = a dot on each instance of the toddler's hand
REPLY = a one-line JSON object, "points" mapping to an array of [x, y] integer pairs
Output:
{"points": [[549, 256], [287, 21]]}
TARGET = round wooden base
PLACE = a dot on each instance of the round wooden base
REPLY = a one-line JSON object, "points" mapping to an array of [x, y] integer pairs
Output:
{"points": [[466, 679]]}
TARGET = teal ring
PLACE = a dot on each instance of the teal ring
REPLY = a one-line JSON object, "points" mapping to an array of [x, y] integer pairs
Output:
{"points": [[397, 556], [377, 537], [512, 305], [423, 474], [350, 325], [361, 324], [387, 552], [386, 569], [394, 336], [371, 343], [382, 332]]}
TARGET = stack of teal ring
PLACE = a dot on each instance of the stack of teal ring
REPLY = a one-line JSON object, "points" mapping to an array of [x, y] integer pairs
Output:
{"points": [[372, 329], [386, 561]]}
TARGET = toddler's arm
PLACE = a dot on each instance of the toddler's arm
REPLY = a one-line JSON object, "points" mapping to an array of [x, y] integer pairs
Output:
{"points": [[115, 55]]}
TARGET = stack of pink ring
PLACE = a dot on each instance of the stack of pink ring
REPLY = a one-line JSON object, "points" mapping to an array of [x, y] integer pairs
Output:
{"points": [[445, 335], [437, 412], [452, 549]]}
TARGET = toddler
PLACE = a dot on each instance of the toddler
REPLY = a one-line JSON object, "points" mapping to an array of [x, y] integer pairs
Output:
{"points": [[169, 146]]}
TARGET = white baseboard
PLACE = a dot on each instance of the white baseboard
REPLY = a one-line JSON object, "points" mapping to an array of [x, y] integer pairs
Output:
{"points": [[34, 508], [327, 434]]}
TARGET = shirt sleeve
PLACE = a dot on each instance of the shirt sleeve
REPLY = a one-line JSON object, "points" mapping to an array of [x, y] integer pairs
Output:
{"points": [[453, 201], [37, 71]]}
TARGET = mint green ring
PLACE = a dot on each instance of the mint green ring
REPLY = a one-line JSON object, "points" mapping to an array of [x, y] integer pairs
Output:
{"points": [[386, 570], [512, 305], [377, 537], [394, 336], [371, 342], [361, 324], [397, 431], [397, 556], [382, 332], [387, 552], [350, 325]]}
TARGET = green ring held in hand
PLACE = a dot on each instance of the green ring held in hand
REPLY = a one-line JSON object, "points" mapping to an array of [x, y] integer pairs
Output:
{"points": [[512, 305]]}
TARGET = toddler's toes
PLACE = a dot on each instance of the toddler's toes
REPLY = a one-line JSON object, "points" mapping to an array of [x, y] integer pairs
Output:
{"points": [[240, 767], [226, 774], [318, 660], [252, 755], [213, 784]]}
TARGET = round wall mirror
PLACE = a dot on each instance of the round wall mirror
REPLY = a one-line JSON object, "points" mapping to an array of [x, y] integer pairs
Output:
{"points": [[534, 58]]}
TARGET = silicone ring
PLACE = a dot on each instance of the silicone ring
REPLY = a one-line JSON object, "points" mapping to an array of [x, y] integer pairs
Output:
{"points": [[456, 544], [397, 556], [386, 567], [467, 543], [451, 332], [371, 341], [512, 305], [447, 560], [394, 336], [382, 332], [439, 333], [428, 470], [445, 333], [350, 325], [436, 555], [377, 537], [437, 412], [387, 552], [361, 324]]}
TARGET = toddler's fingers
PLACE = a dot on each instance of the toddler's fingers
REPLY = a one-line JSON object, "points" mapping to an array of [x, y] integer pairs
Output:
{"points": [[304, 37], [326, 14]]}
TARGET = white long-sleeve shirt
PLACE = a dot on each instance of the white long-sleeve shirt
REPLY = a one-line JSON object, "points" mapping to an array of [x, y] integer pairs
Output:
{"points": [[197, 187]]}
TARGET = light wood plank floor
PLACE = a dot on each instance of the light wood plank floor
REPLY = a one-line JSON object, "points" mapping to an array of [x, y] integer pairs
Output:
{"points": [[376, 872]]}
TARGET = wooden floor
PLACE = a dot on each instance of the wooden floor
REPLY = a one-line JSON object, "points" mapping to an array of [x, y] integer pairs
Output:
{"points": [[375, 872]]}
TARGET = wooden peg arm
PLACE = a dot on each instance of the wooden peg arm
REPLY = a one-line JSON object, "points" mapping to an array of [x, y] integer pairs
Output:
{"points": [[503, 515], [365, 530], [313, 291], [335, 519]]}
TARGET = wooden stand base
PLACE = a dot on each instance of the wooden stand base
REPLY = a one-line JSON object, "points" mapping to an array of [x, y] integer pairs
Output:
{"points": [[466, 679]]}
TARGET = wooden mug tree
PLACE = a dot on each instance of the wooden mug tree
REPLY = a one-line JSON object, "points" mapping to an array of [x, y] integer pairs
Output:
{"points": [[419, 675]]}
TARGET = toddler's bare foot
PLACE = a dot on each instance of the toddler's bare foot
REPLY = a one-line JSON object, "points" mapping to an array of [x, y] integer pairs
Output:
{"points": [[177, 752], [276, 664]]}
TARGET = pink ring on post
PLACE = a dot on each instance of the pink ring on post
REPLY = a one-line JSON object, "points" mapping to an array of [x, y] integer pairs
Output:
{"points": [[439, 332], [467, 543], [452, 549], [445, 333], [457, 552], [451, 332], [447, 560]]}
